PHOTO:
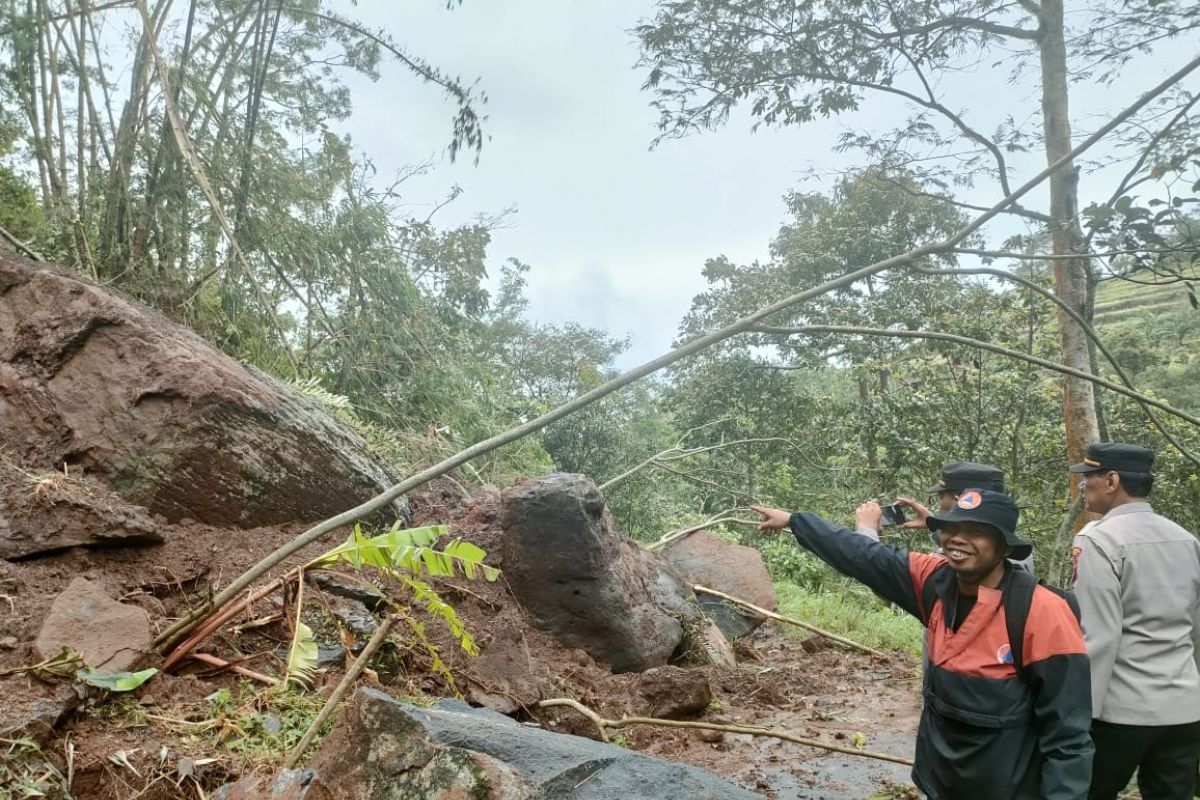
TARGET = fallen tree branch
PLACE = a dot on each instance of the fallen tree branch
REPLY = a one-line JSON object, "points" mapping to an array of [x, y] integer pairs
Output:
{"points": [[723, 517], [678, 452], [762, 612], [700, 343], [992, 348], [603, 725], [360, 663], [19, 245], [205, 658]]}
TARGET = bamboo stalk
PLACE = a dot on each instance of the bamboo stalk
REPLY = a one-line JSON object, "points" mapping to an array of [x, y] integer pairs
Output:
{"points": [[197, 169], [789, 620], [205, 658]]}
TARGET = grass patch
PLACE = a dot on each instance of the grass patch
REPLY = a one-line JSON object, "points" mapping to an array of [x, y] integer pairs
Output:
{"points": [[26, 772], [853, 613]]}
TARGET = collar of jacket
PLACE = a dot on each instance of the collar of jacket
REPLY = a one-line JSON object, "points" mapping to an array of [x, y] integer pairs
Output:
{"points": [[1138, 507], [946, 588]]}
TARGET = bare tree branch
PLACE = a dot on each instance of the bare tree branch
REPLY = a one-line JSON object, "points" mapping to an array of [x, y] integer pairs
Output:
{"points": [[602, 726], [980, 345], [1088, 330], [971, 23]]}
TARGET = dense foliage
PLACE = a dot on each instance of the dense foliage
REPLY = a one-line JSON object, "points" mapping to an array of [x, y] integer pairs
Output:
{"points": [[336, 285]]}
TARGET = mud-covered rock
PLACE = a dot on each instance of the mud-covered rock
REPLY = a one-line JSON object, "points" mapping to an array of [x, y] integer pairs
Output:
{"points": [[110, 636], [674, 692], [503, 678], [92, 379], [47, 512], [585, 583], [382, 748], [708, 560], [716, 646]]}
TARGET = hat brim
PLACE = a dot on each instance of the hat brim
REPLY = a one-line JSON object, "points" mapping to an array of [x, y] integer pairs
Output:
{"points": [[1081, 468], [1019, 549], [935, 489]]}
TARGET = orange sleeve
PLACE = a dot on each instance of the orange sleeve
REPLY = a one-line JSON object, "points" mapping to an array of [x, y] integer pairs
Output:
{"points": [[920, 567]]}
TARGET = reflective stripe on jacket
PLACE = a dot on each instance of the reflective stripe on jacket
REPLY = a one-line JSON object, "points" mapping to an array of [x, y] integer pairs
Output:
{"points": [[984, 733]]}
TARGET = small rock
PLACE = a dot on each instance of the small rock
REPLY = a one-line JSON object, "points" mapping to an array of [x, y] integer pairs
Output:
{"points": [[340, 586], [8, 643], [355, 619], [271, 723], [109, 635], [289, 784], [712, 737], [814, 644], [330, 656], [37, 721]]}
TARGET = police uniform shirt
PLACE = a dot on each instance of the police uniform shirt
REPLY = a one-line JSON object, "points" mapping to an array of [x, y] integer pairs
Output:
{"points": [[1137, 579]]}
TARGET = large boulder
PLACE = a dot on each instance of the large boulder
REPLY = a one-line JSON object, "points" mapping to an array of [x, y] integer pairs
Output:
{"points": [[708, 560], [91, 379], [382, 749], [585, 583]]}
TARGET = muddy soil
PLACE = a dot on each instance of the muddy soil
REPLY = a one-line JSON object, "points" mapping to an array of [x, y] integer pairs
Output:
{"points": [[143, 745]]}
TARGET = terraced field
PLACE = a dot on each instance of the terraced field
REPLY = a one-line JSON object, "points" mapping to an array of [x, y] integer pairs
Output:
{"points": [[1118, 300]]}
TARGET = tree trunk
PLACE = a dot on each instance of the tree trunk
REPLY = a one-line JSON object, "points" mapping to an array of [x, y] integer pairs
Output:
{"points": [[1070, 275], [868, 423]]}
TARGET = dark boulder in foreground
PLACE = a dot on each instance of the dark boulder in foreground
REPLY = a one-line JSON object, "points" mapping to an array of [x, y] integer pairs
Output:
{"points": [[382, 748]]}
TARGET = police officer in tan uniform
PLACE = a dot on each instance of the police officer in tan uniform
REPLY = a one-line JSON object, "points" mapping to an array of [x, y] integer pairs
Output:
{"points": [[1138, 585]]}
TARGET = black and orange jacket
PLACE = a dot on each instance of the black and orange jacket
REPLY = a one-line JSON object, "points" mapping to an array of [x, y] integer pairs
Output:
{"points": [[985, 733]]}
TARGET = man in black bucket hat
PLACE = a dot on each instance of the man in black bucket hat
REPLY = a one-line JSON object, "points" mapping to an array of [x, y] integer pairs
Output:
{"points": [[1137, 578], [978, 510], [1000, 721]]}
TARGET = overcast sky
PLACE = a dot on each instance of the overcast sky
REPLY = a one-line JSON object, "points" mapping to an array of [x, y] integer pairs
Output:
{"points": [[616, 233]]}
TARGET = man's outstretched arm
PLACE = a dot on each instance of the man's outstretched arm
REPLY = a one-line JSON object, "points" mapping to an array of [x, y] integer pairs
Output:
{"points": [[895, 575]]}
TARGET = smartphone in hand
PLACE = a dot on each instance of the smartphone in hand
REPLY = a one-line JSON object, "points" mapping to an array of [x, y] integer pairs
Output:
{"points": [[892, 515]]}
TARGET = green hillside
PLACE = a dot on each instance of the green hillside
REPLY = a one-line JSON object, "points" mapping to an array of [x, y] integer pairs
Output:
{"points": [[1118, 300]]}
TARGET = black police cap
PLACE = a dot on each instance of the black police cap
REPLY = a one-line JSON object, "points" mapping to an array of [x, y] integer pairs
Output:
{"points": [[1116, 456], [958, 476]]}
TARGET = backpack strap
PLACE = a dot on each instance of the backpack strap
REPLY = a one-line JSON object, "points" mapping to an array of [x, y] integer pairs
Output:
{"points": [[1018, 599]]}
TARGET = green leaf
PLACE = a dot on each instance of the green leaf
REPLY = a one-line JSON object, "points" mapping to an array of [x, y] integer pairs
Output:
{"points": [[302, 657], [115, 681]]}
